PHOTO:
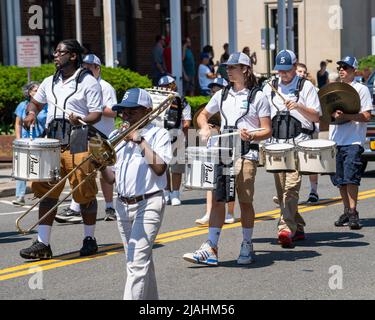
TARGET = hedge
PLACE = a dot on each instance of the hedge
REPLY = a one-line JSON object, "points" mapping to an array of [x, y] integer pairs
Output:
{"points": [[12, 79], [367, 62]]}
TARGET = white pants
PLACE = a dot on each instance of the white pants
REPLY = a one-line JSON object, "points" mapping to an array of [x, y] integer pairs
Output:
{"points": [[139, 225]]}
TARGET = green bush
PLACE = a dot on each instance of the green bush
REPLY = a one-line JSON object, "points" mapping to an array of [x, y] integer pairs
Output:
{"points": [[12, 79], [196, 102], [367, 63]]}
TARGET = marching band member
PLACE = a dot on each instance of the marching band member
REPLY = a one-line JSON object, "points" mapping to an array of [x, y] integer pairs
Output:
{"points": [[350, 138], [244, 107], [106, 126], [140, 176], [293, 119], [177, 168], [79, 93]]}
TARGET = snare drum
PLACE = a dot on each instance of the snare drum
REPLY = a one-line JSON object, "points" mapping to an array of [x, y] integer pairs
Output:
{"points": [[280, 157], [36, 160], [203, 166], [317, 157]]}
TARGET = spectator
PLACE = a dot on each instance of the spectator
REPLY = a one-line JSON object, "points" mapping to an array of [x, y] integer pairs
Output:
{"points": [[210, 51], [167, 55], [322, 75], [188, 68], [206, 76], [29, 91], [225, 56], [158, 67], [253, 56], [222, 70]]}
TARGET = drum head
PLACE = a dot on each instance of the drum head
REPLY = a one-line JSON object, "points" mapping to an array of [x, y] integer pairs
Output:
{"points": [[317, 144], [279, 147], [40, 142]]}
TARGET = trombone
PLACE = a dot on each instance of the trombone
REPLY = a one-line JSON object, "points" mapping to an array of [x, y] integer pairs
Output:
{"points": [[104, 153]]}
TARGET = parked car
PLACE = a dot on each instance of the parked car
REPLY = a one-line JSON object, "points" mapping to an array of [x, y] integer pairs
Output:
{"points": [[369, 154]]}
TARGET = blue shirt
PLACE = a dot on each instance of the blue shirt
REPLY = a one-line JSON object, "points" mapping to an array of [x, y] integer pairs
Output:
{"points": [[40, 124]]}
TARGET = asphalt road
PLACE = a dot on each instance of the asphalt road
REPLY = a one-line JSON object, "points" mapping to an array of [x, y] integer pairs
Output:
{"points": [[333, 263]]}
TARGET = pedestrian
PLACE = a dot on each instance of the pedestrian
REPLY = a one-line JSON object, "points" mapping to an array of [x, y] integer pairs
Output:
{"points": [[322, 76], [158, 67], [167, 55], [140, 176], [189, 68], [252, 56], [293, 121], [106, 125], [38, 131], [74, 88], [225, 56], [206, 76], [243, 107], [210, 51], [350, 138]]}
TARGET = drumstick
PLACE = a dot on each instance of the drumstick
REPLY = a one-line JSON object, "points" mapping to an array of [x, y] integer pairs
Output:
{"points": [[31, 132], [226, 135], [64, 111], [277, 92]]}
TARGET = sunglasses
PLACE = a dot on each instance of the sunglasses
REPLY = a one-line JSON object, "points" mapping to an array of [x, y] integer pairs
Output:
{"points": [[344, 67]]}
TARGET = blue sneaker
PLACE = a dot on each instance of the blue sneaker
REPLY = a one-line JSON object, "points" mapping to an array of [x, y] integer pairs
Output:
{"points": [[206, 254]]}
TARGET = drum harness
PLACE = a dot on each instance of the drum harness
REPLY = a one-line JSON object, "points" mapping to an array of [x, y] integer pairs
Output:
{"points": [[173, 116], [284, 125]]}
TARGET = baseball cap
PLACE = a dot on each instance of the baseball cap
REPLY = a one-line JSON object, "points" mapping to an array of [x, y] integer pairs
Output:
{"points": [[285, 60], [166, 80], [220, 82], [205, 55], [238, 58], [92, 59], [134, 98], [350, 61]]}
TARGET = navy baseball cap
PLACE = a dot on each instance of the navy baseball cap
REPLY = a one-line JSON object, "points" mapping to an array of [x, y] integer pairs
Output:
{"points": [[220, 82], [238, 58], [166, 80], [92, 59], [350, 61], [205, 56], [134, 98], [285, 60]]}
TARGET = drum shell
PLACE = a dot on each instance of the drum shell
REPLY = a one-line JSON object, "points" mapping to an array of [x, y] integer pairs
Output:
{"points": [[316, 160], [262, 156], [278, 161], [203, 166], [37, 160]]}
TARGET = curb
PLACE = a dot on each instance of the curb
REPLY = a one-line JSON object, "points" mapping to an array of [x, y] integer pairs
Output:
{"points": [[11, 192]]}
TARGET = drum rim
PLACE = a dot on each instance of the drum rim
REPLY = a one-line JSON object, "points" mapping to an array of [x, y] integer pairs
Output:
{"points": [[291, 147], [25, 142], [333, 145]]}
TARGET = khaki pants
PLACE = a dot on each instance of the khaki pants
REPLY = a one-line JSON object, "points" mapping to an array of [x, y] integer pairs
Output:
{"points": [[288, 186]]}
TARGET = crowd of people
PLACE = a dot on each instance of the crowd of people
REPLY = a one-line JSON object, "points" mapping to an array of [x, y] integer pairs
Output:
{"points": [[146, 182]]}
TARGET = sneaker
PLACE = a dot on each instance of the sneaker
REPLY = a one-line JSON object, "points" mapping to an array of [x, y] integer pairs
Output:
{"points": [[20, 201], [167, 197], [299, 236], [246, 254], [38, 250], [229, 219], [285, 239], [204, 220], [175, 199], [275, 200], [206, 254], [69, 216], [343, 220], [89, 247], [354, 221], [313, 198], [110, 215]]}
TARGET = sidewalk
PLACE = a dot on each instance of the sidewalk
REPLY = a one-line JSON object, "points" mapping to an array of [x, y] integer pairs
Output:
{"points": [[7, 183]]}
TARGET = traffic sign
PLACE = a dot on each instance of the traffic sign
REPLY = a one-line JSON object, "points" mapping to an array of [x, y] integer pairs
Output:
{"points": [[28, 51]]}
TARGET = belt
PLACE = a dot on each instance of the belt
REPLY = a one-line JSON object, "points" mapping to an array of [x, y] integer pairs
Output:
{"points": [[135, 200]]}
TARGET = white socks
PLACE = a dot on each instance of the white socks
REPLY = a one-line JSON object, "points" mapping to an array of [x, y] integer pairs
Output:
{"points": [[314, 187], [214, 235], [44, 234], [247, 234], [89, 230], [109, 205], [75, 206]]}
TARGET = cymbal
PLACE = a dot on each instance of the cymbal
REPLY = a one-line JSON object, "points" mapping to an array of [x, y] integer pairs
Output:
{"points": [[338, 96], [214, 120]]}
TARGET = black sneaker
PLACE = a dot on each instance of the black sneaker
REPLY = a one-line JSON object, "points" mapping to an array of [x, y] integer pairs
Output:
{"points": [[38, 250], [313, 198], [110, 215], [69, 216], [343, 220], [89, 247], [354, 221]]}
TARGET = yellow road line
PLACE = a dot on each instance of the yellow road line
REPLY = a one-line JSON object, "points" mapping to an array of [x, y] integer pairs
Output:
{"points": [[70, 259]]}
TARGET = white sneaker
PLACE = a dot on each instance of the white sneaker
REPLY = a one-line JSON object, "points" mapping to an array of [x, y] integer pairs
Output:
{"points": [[246, 254], [206, 254], [167, 197], [204, 220], [175, 198], [276, 200], [229, 219]]}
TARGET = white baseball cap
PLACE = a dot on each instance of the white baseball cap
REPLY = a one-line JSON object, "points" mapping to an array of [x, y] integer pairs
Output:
{"points": [[134, 98], [92, 59], [238, 58], [166, 80]]}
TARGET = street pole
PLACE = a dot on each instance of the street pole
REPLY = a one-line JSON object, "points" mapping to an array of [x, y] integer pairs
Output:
{"points": [[110, 33], [78, 22], [290, 25], [232, 19], [268, 52], [282, 24], [176, 42]]}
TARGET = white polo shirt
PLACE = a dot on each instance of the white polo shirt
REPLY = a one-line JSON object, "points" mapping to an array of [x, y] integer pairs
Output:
{"points": [[308, 97], [134, 176], [107, 124], [235, 107], [87, 99], [352, 133]]}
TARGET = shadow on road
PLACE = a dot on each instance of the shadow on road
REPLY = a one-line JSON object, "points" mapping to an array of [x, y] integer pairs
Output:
{"points": [[368, 223], [194, 201], [369, 174], [13, 237]]}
